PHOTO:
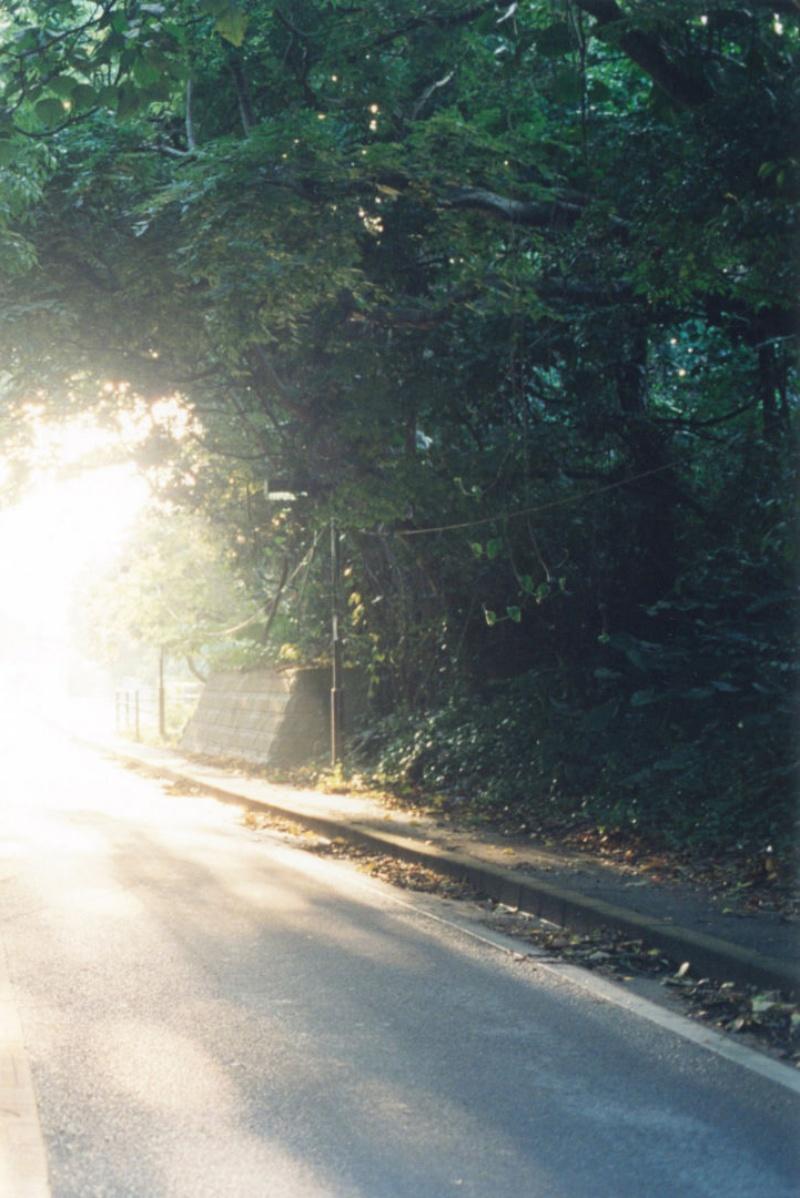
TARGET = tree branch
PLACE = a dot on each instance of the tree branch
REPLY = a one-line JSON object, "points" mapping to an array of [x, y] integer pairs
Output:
{"points": [[160, 148], [193, 668], [429, 91], [273, 608], [191, 141], [242, 90], [520, 212], [438, 20], [417, 316], [784, 8], [687, 422], [647, 51]]}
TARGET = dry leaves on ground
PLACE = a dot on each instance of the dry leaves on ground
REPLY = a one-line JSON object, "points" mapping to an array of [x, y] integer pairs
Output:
{"points": [[406, 874], [769, 1020], [741, 882]]}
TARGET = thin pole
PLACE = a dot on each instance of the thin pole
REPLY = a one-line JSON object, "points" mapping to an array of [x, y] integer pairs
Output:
{"points": [[162, 706], [337, 693], [138, 723]]}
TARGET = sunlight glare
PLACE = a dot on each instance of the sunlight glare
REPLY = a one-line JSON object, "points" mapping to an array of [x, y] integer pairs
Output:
{"points": [[70, 521], [50, 537]]}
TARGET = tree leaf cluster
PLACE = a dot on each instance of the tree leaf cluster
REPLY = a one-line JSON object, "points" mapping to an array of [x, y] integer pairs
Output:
{"points": [[509, 291]]}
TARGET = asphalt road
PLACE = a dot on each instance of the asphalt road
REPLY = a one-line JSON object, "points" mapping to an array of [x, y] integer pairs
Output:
{"points": [[210, 1013]]}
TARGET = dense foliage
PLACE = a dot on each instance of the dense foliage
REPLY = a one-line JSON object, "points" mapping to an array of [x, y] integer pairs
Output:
{"points": [[506, 289], [168, 588]]}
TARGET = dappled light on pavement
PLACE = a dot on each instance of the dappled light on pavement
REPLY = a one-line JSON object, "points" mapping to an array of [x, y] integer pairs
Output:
{"points": [[211, 1013]]}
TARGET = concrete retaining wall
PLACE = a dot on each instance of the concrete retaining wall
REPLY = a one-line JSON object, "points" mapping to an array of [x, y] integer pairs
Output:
{"points": [[280, 717]]}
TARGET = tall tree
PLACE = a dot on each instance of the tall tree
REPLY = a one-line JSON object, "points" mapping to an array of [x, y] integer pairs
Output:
{"points": [[509, 290]]}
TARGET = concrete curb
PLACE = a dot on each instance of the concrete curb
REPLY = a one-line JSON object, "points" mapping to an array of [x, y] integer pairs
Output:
{"points": [[708, 955]]}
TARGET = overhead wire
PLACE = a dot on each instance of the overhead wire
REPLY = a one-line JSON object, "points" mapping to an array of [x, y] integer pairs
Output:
{"points": [[530, 511]]}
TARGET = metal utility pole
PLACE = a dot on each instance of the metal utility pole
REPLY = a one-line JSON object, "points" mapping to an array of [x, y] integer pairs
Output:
{"points": [[337, 691]]}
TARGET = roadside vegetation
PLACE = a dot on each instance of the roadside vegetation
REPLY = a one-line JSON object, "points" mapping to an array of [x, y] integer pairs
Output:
{"points": [[507, 292]]}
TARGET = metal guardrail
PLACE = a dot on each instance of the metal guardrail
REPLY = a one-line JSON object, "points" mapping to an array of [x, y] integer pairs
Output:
{"points": [[146, 708], [128, 713]]}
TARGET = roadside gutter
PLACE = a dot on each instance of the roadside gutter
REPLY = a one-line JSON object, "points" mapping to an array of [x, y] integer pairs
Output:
{"points": [[709, 955]]}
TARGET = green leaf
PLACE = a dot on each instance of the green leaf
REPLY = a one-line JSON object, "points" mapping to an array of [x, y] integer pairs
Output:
{"points": [[50, 112], [598, 719], [526, 582], [599, 91], [773, 598], [27, 39], [493, 547], [644, 698], [8, 150], [128, 100], [145, 73], [681, 759], [62, 85], [107, 96], [490, 617], [629, 648], [84, 96], [567, 86], [232, 25], [476, 548], [555, 40], [515, 613]]}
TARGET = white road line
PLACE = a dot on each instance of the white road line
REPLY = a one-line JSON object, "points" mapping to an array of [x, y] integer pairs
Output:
{"points": [[600, 988], [613, 993], [707, 1038]]}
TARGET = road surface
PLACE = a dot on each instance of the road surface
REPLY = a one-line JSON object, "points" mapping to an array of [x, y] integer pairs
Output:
{"points": [[208, 1012]]}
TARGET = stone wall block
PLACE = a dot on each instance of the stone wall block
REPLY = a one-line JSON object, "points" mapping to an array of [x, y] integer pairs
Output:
{"points": [[279, 717]]}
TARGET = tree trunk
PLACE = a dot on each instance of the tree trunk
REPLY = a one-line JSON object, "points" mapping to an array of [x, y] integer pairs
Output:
{"points": [[191, 140], [194, 669], [768, 391], [649, 558], [242, 91]]}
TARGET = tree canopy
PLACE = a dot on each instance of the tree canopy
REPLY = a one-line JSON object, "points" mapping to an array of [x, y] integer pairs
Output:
{"points": [[508, 289], [170, 588]]}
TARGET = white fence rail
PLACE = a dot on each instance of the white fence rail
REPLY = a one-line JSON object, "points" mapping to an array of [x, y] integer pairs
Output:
{"points": [[141, 711]]}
